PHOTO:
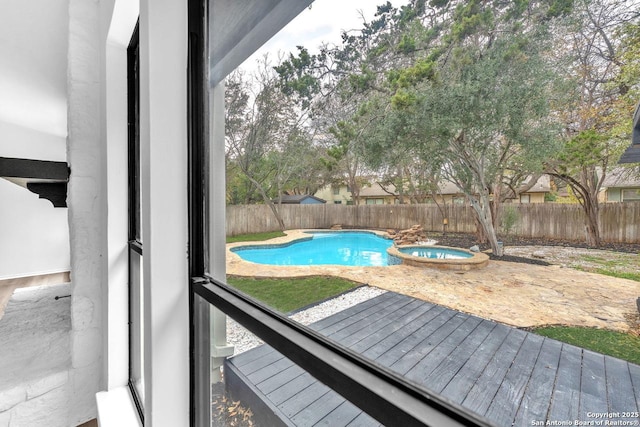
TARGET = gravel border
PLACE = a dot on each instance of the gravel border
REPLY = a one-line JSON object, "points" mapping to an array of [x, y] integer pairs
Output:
{"points": [[243, 340]]}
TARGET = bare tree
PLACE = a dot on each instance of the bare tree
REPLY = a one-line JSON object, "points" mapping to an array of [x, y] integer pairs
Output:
{"points": [[265, 135]]}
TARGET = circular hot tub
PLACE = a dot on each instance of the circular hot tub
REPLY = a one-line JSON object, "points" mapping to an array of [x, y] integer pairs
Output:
{"points": [[437, 257]]}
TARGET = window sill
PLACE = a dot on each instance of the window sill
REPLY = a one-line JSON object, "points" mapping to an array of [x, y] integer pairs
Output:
{"points": [[116, 408]]}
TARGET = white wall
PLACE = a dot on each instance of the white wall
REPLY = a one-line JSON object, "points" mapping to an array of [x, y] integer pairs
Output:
{"points": [[34, 236], [164, 209], [33, 125], [118, 22], [163, 146], [87, 208], [33, 34]]}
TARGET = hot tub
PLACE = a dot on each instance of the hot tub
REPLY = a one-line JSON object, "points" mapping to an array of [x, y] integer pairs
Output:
{"points": [[441, 257]]}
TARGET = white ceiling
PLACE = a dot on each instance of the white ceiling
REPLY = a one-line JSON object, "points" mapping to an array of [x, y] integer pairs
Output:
{"points": [[33, 70]]}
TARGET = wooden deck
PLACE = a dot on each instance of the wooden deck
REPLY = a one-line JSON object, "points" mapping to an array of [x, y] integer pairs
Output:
{"points": [[510, 376]]}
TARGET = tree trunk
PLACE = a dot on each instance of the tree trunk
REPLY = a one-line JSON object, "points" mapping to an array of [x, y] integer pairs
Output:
{"points": [[591, 222], [485, 219], [269, 203], [587, 195], [481, 235], [400, 187], [276, 214]]}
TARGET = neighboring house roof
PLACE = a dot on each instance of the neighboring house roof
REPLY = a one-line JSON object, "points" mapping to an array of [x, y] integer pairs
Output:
{"points": [[447, 187], [378, 190], [622, 178], [543, 185], [295, 199]]}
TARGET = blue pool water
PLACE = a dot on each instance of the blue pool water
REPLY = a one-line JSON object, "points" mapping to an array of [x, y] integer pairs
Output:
{"points": [[436, 253], [340, 248]]}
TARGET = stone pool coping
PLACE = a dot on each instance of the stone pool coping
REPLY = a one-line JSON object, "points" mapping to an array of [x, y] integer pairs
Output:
{"points": [[477, 260], [516, 294]]}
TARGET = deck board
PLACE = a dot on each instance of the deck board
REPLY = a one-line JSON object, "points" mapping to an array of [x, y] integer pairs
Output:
{"points": [[373, 332], [507, 400], [289, 389], [459, 386], [634, 371], [392, 354], [510, 376], [426, 365], [369, 324], [280, 378], [313, 413], [619, 387], [484, 390], [405, 324], [450, 366], [565, 399], [333, 325], [304, 399], [537, 397], [427, 345], [592, 385], [342, 415], [363, 420], [376, 350]]}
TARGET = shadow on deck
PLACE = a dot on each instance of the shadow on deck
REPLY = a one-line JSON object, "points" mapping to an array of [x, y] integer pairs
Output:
{"points": [[510, 376]]}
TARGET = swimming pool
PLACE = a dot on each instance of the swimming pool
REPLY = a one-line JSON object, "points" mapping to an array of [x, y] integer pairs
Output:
{"points": [[324, 248], [435, 252]]}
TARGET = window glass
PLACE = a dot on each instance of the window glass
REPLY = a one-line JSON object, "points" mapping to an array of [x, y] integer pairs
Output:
{"points": [[136, 326], [135, 248], [293, 125]]}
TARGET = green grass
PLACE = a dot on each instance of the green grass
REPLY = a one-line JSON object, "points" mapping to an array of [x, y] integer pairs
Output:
{"points": [[288, 294], [593, 258], [612, 273], [256, 237], [611, 263], [612, 267], [616, 344], [619, 274]]}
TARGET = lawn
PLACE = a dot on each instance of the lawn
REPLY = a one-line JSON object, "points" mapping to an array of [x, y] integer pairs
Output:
{"points": [[619, 275], [256, 237], [616, 344], [289, 294], [620, 265]]}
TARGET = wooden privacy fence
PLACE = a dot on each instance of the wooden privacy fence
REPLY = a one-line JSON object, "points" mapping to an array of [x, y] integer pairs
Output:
{"points": [[619, 222]]}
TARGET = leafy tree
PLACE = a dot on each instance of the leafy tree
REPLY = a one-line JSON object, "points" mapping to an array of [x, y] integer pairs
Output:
{"points": [[335, 83], [391, 149], [488, 120], [601, 65], [468, 90], [476, 105]]}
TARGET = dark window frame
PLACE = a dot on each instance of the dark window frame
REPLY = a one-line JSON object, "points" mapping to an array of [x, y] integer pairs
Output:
{"points": [[135, 249]]}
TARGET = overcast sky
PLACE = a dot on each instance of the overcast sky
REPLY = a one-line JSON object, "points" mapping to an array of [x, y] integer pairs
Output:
{"points": [[324, 21]]}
